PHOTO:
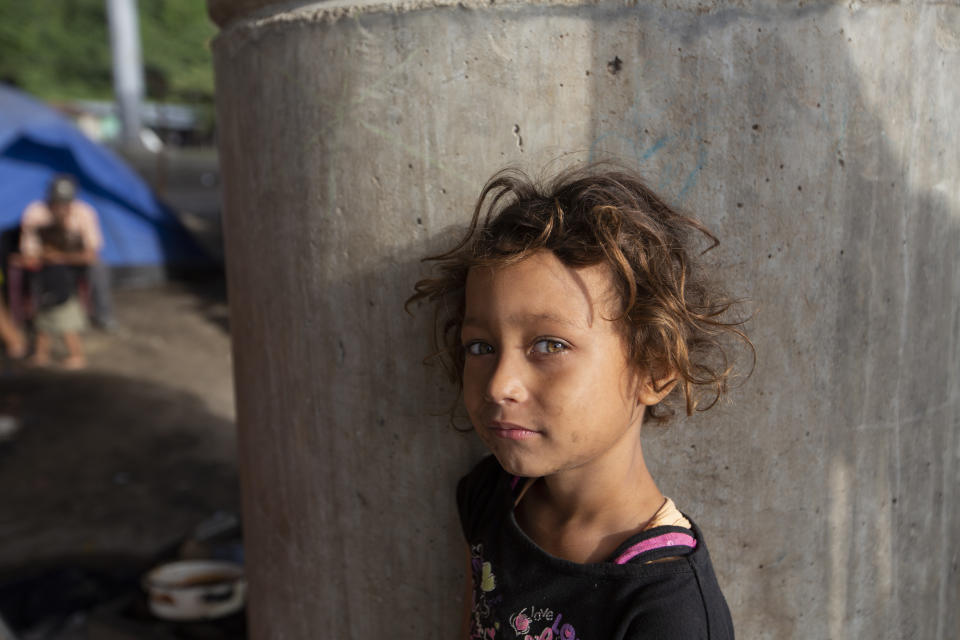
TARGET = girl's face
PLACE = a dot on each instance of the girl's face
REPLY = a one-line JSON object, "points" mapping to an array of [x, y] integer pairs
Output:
{"points": [[546, 380]]}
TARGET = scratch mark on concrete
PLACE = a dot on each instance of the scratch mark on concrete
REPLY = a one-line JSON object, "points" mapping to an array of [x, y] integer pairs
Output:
{"points": [[497, 50], [415, 152], [342, 107], [920, 416]]}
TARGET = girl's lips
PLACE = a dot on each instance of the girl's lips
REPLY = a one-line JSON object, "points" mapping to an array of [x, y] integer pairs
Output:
{"points": [[511, 431]]}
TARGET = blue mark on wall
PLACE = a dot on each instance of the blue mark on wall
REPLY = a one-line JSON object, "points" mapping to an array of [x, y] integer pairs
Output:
{"points": [[676, 158]]}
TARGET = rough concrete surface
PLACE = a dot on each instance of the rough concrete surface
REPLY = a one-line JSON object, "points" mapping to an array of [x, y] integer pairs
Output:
{"points": [[819, 140]]}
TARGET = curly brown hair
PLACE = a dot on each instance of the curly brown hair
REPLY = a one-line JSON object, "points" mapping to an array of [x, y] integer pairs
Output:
{"points": [[674, 320]]}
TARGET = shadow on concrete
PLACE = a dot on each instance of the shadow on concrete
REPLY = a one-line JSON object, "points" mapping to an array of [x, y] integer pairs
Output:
{"points": [[107, 464]]}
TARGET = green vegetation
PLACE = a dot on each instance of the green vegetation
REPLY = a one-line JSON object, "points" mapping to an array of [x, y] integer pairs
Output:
{"points": [[60, 49]]}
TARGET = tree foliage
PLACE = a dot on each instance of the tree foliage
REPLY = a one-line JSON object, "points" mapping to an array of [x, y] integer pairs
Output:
{"points": [[60, 49]]}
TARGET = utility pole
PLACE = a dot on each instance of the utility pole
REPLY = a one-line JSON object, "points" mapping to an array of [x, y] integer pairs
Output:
{"points": [[127, 66]]}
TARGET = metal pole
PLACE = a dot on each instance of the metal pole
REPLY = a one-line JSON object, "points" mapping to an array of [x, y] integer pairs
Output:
{"points": [[127, 66]]}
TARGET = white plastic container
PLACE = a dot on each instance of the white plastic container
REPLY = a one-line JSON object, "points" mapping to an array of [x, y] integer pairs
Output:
{"points": [[195, 589]]}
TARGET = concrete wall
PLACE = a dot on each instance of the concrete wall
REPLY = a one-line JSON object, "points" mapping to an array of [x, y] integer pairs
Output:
{"points": [[818, 139]]}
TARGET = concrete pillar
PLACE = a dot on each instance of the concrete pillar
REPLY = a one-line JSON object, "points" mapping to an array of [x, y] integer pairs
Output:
{"points": [[820, 142]]}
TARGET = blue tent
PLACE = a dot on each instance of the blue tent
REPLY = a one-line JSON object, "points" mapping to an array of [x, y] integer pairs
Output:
{"points": [[36, 142]]}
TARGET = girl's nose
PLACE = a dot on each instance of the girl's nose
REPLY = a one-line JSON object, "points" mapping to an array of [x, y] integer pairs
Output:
{"points": [[506, 383]]}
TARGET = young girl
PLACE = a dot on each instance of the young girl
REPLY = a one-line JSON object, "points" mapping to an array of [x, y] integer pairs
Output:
{"points": [[570, 312]]}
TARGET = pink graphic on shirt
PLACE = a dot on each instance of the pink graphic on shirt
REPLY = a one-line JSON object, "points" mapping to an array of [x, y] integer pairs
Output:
{"points": [[483, 623]]}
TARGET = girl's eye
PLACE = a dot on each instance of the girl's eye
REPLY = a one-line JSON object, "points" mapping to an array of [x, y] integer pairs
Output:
{"points": [[478, 349], [548, 345]]}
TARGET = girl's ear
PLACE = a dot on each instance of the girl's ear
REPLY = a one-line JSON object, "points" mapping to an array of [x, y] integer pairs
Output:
{"points": [[652, 391]]}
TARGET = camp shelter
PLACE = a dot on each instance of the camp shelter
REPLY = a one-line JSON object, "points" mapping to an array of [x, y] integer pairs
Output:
{"points": [[140, 233]]}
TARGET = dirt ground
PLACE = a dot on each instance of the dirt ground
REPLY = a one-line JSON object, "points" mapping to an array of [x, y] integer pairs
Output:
{"points": [[129, 455]]}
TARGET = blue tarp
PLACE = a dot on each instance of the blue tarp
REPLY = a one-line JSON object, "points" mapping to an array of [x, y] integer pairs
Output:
{"points": [[36, 142]]}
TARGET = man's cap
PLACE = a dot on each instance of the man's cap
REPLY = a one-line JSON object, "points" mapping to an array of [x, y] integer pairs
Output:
{"points": [[62, 189]]}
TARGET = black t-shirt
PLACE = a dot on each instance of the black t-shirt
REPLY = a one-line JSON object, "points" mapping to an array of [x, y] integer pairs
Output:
{"points": [[57, 282], [522, 592]]}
